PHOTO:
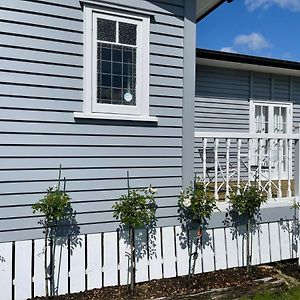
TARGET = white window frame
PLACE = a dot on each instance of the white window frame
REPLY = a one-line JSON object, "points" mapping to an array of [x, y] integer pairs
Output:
{"points": [[271, 105], [92, 109]]}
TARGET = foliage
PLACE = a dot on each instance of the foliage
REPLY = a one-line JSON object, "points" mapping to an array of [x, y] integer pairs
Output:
{"points": [[54, 205], [196, 204], [136, 209], [247, 201]]}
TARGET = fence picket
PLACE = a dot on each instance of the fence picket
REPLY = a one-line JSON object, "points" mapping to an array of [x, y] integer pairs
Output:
{"points": [[284, 240], [275, 241], [23, 279], [168, 252], [110, 266], [182, 251], [232, 249], [255, 247], [61, 269], [220, 249], [124, 256], [141, 255], [39, 271], [264, 243], [94, 264], [155, 260], [241, 241], [208, 250], [77, 270], [6, 262]]}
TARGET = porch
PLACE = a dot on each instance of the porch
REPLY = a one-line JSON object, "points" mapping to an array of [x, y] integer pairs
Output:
{"points": [[227, 161]]}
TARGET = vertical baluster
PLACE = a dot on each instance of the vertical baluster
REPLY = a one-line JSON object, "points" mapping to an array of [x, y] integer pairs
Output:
{"points": [[227, 168], [216, 168], [280, 162], [250, 142], [260, 159], [270, 168], [289, 166], [204, 162], [239, 145]]}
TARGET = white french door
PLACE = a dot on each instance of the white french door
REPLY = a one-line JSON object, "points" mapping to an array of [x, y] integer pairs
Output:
{"points": [[273, 118]]}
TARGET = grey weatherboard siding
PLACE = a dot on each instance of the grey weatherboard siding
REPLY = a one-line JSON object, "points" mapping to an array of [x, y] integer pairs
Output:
{"points": [[41, 86]]}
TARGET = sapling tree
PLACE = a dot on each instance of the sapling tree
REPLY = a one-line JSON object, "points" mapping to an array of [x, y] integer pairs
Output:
{"points": [[54, 206], [246, 202], [135, 210], [196, 206]]}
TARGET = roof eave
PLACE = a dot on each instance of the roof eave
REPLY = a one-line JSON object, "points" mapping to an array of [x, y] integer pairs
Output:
{"points": [[205, 7]]}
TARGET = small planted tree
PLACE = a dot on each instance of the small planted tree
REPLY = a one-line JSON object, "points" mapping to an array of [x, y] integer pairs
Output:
{"points": [[54, 206], [196, 206], [135, 210], [247, 202]]}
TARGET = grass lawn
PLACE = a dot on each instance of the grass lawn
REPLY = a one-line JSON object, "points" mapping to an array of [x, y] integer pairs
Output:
{"points": [[293, 294]]}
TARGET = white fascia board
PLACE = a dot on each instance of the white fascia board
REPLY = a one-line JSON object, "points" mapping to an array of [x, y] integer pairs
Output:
{"points": [[247, 67]]}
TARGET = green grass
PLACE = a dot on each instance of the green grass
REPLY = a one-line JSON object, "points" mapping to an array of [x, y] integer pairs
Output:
{"points": [[293, 294]]}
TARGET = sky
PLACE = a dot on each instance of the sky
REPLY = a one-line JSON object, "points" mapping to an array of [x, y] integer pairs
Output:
{"points": [[268, 28]]}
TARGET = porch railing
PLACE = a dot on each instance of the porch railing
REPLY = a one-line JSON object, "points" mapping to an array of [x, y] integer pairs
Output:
{"points": [[229, 160]]}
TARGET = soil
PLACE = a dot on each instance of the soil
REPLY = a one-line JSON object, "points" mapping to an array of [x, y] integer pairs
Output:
{"points": [[177, 287]]}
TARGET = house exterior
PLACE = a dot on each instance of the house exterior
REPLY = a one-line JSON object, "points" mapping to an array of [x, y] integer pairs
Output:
{"points": [[50, 114], [105, 87]]}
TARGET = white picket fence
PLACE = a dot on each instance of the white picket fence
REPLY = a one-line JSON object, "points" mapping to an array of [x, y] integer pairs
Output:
{"points": [[100, 260]]}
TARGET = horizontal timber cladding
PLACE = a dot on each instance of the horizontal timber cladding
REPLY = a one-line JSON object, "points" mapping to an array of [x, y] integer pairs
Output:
{"points": [[41, 86], [97, 260]]}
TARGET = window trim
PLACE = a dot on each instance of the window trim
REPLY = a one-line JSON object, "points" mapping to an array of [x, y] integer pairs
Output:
{"points": [[288, 105], [141, 110]]}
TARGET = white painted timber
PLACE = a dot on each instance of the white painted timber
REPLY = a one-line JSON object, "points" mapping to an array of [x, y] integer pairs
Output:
{"points": [[208, 251], [94, 264], [77, 270], [274, 242], [168, 252], [264, 243], [232, 249], [6, 270], [141, 255], [39, 271], [155, 259], [242, 245], [23, 277], [110, 266], [255, 248], [284, 241], [125, 259], [61, 272], [220, 249], [182, 252]]}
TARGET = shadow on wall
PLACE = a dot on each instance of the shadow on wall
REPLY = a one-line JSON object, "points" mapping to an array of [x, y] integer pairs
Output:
{"points": [[293, 229]]}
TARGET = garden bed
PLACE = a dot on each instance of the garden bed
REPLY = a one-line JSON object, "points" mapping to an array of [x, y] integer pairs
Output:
{"points": [[230, 282]]}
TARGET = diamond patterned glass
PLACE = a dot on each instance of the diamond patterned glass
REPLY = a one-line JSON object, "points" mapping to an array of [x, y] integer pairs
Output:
{"points": [[106, 30], [116, 79], [127, 33]]}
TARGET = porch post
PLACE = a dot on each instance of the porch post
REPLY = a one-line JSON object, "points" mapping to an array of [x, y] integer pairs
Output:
{"points": [[188, 132], [297, 164], [297, 188]]}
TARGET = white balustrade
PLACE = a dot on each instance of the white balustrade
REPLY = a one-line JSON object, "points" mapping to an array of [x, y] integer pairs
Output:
{"points": [[231, 160]]}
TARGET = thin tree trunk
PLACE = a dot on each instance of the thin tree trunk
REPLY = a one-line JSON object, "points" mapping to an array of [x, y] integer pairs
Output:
{"points": [[132, 250], [45, 263], [248, 245]]}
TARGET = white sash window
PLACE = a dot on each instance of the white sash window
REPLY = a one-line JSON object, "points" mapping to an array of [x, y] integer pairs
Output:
{"points": [[270, 118]]}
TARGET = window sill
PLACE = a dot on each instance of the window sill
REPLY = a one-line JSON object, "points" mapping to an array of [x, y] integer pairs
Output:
{"points": [[80, 115]]}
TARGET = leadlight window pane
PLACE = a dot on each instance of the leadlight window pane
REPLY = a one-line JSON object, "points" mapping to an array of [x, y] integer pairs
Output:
{"points": [[116, 80], [127, 33], [106, 30]]}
